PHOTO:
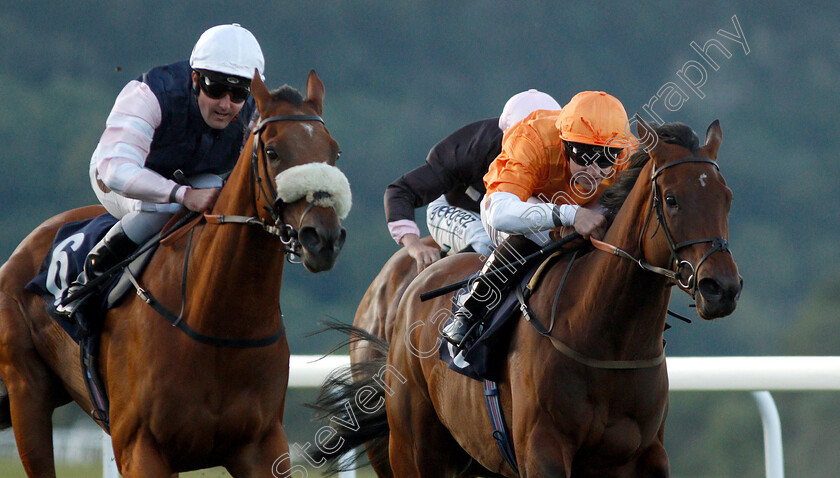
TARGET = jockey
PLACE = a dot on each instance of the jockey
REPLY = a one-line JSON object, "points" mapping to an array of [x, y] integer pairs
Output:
{"points": [[549, 168], [451, 183], [171, 133]]}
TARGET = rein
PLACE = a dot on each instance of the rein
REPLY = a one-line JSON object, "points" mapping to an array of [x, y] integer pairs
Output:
{"points": [[565, 349], [178, 322]]}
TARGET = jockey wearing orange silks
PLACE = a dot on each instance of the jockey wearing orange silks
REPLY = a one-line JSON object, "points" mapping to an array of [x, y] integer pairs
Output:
{"points": [[550, 166], [557, 164]]}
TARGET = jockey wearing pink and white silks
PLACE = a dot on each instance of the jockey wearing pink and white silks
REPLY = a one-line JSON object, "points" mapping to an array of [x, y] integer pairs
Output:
{"points": [[141, 198], [186, 121]]}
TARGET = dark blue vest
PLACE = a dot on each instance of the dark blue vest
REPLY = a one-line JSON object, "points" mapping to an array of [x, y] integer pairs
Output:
{"points": [[183, 140]]}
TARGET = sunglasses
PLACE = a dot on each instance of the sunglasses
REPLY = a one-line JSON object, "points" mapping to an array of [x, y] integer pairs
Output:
{"points": [[586, 154], [216, 90]]}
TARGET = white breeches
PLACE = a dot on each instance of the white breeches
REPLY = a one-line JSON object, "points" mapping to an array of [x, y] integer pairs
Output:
{"points": [[140, 219], [455, 228]]}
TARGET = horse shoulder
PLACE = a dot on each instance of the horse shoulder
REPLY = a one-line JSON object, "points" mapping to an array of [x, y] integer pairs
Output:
{"points": [[417, 323]]}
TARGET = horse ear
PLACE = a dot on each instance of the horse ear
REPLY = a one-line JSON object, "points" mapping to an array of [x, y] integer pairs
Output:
{"points": [[647, 135], [315, 91], [259, 91], [713, 139]]}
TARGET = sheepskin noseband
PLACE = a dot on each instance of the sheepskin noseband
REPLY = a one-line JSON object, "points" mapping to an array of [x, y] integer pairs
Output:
{"points": [[308, 179]]}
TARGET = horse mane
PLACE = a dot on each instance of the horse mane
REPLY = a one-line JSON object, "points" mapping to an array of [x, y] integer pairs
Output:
{"points": [[674, 133], [287, 94]]}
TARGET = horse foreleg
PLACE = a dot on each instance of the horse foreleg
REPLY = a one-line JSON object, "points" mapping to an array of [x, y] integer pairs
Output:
{"points": [[545, 452], [140, 458], [270, 457], [654, 461], [32, 422], [34, 392]]}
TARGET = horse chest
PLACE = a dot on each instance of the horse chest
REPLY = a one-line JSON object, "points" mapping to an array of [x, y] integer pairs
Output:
{"points": [[619, 439], [609, 420], [618, 430], [217, 395]]}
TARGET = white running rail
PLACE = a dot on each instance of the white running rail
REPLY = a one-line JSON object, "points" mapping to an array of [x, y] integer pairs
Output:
{"points": [[758, 375]]}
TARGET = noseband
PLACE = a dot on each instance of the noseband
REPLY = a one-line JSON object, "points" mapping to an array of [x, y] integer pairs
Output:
{"points": [[678, 265]]}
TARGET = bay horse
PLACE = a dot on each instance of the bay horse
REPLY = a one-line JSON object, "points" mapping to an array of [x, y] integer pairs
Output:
{"points": [[587, 396], [177, 403]]}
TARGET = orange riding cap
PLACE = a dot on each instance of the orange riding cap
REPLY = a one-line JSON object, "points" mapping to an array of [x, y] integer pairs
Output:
{"points": [[533, 161]]}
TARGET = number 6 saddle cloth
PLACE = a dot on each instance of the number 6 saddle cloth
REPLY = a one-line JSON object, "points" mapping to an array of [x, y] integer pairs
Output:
{"points": [[63, 264]]}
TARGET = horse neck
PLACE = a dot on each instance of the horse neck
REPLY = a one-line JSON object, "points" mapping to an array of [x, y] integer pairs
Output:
{"points": [[237, 269], [618, 309]]}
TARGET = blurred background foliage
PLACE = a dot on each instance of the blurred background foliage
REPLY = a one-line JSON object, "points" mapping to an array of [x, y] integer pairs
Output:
{"points": [[400, 76]]}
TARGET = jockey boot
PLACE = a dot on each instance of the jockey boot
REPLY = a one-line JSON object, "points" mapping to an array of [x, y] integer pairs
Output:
{"points": [[497, 277], [107, 253]]}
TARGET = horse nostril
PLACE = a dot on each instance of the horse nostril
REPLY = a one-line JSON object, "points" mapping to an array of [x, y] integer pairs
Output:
{"points": [[714, 290], [710, 289], [339, 243], [316, 239], [309, 239]]}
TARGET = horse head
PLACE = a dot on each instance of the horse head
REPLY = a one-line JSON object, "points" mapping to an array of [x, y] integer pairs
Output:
{"points": [[690, 202], [293, 160]]}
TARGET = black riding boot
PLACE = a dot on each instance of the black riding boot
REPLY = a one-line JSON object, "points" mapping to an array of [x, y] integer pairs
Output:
{"points": [[107, 253], [499, 273]]}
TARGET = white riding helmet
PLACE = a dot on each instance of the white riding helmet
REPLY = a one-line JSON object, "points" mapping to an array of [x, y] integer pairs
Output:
{"points": [[522, 104], [228, 49]]}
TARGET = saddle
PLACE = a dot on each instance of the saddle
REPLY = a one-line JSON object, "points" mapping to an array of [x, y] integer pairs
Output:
{"points": [[62, 265], [484, 358], [65, 261]]}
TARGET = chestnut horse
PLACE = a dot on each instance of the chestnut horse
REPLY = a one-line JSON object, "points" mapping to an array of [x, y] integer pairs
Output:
{"points": [[587, 399], [178, 404]]}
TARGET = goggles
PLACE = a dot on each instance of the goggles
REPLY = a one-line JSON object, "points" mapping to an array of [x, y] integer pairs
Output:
{"points": [[217, 90], [586, 154]]}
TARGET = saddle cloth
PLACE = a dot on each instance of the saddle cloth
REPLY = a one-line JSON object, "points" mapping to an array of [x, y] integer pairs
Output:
{"points": [[66, 260], [484, 358]]}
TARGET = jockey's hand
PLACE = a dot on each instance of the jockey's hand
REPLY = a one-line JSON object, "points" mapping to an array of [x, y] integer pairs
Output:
{"points": [[200, 200], [590, 223], [422, 254]]}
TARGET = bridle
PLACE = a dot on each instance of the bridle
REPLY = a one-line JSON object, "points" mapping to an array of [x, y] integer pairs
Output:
{"points": [[286, 232], [276, 226], [673, 274], [678, 265]]}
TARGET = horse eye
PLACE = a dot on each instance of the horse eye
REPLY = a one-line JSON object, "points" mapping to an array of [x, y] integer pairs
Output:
{"points": [[271, 154], [670, 200], [337, 155]]}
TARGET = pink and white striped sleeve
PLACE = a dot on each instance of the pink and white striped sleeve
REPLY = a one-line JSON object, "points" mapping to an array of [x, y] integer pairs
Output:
{"points": [[121, 154]]}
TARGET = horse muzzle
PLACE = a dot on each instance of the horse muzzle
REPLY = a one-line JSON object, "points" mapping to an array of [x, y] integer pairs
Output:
{"points": [[326, 193], [717, 296], [320, 246]]}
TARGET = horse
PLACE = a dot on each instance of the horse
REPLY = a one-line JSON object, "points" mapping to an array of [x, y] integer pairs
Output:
{"points": [[215, 397], [584, 390]]}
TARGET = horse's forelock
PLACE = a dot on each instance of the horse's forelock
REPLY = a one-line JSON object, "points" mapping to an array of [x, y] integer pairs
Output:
{"points": [[679, 134], [287, 94]]}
